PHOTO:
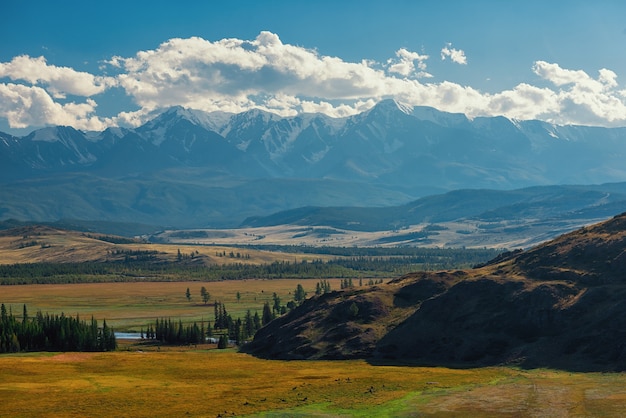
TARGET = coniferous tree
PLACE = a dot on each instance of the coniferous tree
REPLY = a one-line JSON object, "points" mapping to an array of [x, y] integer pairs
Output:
{"points": [[257, 321], [222, 342], [276, 307], [299, 295], [205, 295], [267, 314]]}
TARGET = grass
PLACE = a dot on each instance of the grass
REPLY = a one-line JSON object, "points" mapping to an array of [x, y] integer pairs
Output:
{"points": [[207, 383], [40, 244], [131, 306], [143, 380]]}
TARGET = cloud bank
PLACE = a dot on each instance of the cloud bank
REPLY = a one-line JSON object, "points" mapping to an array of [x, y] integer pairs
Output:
{"points": [[235, 75]]}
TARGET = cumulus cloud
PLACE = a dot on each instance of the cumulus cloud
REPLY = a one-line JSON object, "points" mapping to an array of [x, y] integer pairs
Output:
{"points": [[25, 106], [235, 75], [405, 65], [200, 73], [57, 80], [455, 55], [592, 101]]}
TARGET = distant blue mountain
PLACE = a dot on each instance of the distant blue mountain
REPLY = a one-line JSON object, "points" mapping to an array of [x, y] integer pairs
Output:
{"points": [[191, 168]]}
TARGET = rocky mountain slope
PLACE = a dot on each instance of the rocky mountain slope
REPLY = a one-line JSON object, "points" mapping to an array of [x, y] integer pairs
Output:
{"points": [[190, 168], [561, 304]]}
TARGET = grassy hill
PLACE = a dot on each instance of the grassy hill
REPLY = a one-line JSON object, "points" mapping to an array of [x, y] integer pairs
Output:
{"points": [[558, 305], [36, 244]]}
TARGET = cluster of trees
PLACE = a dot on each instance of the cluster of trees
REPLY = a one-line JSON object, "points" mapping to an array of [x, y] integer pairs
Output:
{"points": [[355, 263], [113, 239], [232, 254], [238, 330], [228, 329], [347, 284], [52, 333], [168, 332], [135, 255], [323, 286]]}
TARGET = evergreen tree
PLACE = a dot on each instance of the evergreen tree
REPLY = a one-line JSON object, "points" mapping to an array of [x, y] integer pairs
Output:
{"points": [[257, 321], [222, 342], [276, 307], [299, 295], [354, 310], [188, 295], [267, 314], [205, 295]]}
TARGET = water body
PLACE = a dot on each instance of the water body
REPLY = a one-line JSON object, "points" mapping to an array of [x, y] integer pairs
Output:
{"points": [[128, 335]]}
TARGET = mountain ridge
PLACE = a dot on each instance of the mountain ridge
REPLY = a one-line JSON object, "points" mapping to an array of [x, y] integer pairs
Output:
{"points": [[387, 155]]}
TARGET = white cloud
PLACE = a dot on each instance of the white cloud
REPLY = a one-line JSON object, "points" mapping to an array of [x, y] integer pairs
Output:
{"points": [[455, 55], [58, 81], [25, 106], [590, 101], [235, 75], [406, 64]]}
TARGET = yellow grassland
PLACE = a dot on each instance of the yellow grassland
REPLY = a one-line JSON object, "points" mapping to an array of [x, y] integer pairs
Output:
{"points": [[209, 383], [130, 306], [59, 246]]}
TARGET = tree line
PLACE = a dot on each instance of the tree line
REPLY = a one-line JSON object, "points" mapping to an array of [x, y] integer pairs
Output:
{"points": [[224, 327], [45, 332], [353, 263]]}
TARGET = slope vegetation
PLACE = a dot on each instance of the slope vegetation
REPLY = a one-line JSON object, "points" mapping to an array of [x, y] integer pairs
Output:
{"points": [[561, 304]]}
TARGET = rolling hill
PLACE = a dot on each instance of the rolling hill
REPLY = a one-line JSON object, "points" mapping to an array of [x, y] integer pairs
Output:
{"points": [[559, 305], [518, 218]]}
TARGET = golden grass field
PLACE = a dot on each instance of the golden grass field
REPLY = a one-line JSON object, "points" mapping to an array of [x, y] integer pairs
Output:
{"points": [[210, 383], [41, 244], [141, 380], [131, 306]]}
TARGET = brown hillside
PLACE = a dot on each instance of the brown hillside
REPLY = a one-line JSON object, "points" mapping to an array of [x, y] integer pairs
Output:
{"points": [[562, 304]]}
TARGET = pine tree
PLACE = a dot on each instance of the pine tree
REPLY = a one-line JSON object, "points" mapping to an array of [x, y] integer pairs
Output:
{"points": [[267, 314], [257, 321], [354, 310], [222, 342], [205, 295], [299, 295]]}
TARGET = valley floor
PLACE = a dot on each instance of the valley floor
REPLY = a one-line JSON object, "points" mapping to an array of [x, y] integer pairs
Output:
{"points": [[200, 382], [458, 234]]}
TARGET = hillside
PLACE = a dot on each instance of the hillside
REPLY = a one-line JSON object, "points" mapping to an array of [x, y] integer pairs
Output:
{"points": [[504, 219], [44, 244], [558, 305]]}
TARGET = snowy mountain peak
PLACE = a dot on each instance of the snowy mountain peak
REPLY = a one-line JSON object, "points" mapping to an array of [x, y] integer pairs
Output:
{"points": [[392, 105], [51, 133], [438, 117]]}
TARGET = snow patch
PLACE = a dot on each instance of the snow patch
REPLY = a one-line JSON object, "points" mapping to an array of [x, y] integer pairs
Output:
{"points": [[317, 156], [46, 135]]}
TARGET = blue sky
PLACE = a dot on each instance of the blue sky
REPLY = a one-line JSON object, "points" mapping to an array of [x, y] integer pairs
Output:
{"points": [[96, 64]]}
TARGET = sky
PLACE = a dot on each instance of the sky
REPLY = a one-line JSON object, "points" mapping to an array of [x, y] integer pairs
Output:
{"points": [[94, 64]]}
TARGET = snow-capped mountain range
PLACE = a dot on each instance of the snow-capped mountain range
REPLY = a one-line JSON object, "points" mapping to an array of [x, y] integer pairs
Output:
{"points": [[389, 154]]}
